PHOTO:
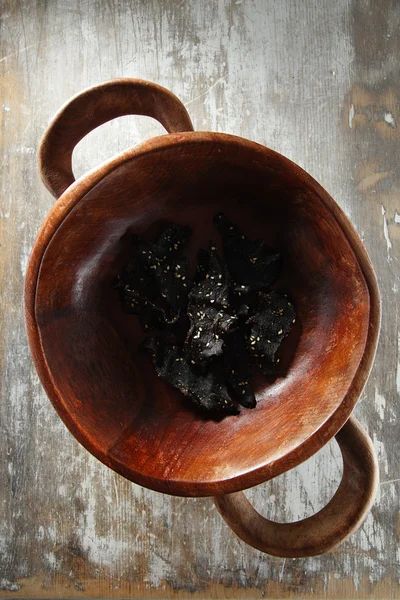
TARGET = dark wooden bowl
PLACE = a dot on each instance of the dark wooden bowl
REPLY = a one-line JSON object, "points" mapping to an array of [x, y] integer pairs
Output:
{"points": [[86, 349]]}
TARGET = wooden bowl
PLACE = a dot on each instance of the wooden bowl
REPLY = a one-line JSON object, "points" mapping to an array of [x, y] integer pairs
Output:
{"points": [[86, 349]]}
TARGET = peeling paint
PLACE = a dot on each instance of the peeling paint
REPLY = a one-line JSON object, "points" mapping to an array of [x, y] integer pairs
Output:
{"points": [[386, 231], [351, 115], [380, 404], [389, 119], [24, 257], [8, 586], [52, 562], [24, 150], [398, 363], [382, 455]]}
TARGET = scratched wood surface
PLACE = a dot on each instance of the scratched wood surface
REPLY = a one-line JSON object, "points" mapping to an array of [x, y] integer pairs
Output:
{"points": [[315, 80]]}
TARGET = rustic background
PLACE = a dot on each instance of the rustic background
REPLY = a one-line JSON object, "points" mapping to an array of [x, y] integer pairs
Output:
{"points": [[314, 79]]}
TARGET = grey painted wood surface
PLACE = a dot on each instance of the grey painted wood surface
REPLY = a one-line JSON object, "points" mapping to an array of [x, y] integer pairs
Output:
{"points": [[315, 80]]}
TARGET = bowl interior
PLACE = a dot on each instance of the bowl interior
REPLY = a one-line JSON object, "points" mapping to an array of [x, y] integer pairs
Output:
{"points": [[107, 389]]}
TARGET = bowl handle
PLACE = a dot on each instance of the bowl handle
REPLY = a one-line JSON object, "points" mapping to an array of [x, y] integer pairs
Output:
{"points": [[95, 106], [329, 527]]}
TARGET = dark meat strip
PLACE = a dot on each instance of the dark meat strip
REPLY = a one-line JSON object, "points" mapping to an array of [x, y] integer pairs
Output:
{"points": [[212, 279], [172, 281], [267, 328], [203, 265], [138, 293], [149, 315], [173, 238], [155, 284], [206, 390], [252, 265], [166, 275], [208, 308], [238, 368]]}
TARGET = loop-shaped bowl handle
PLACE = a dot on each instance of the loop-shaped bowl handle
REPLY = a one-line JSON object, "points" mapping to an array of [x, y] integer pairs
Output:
{"points": [[329, 527], [95, 106]]}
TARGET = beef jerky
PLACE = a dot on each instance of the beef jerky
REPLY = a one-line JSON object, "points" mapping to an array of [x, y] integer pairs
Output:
{"points": [[165, 277], [207, 390], [138, 294], [155, 284], [170, 241], [172, 282], [212, 279], [150, 316], [267, 328], [203, 265], [215, 329], [244, 304], [238, 368], [208, 308], [173, 238], [252, 265]]}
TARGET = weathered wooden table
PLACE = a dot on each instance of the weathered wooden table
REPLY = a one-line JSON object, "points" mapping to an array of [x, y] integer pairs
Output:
{"points": [[315, 80]]}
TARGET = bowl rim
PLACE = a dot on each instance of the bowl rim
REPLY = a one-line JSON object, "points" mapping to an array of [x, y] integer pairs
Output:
{"points": [[60, 210]]}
